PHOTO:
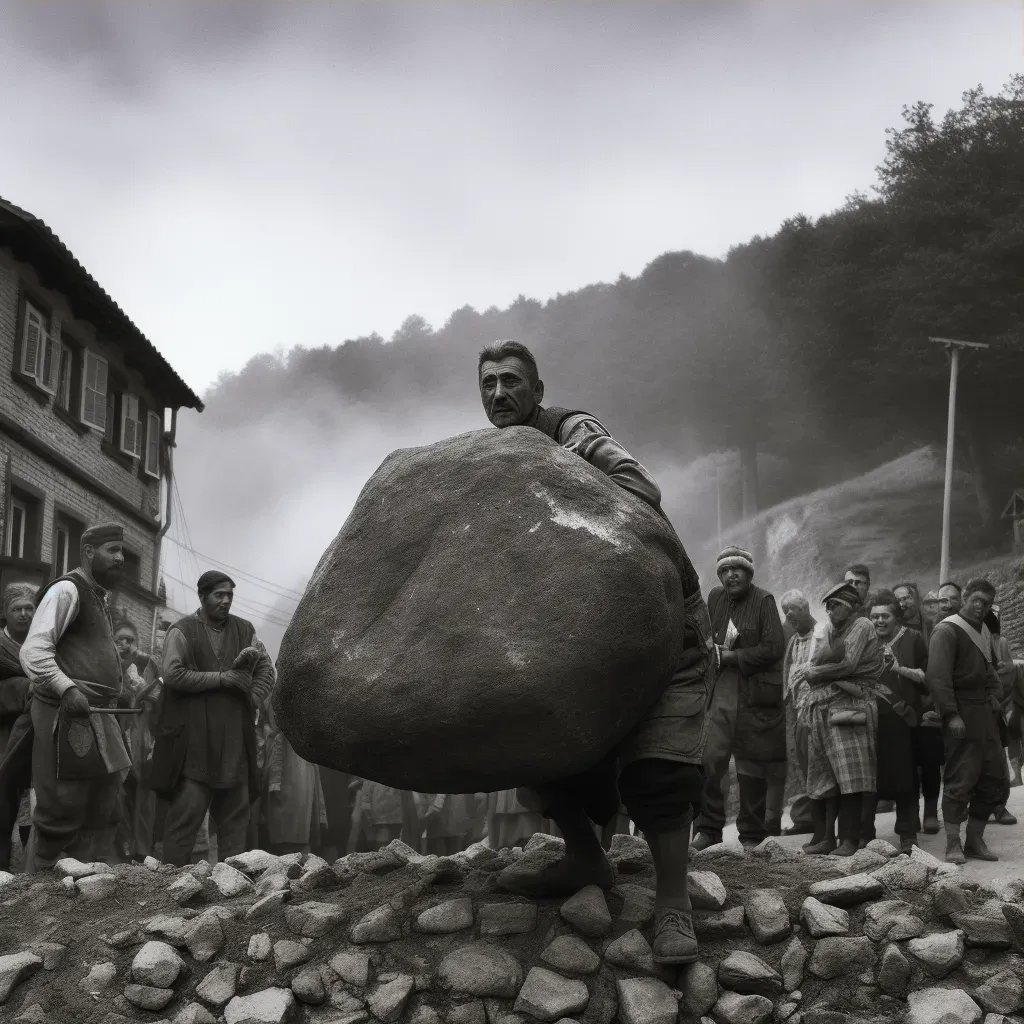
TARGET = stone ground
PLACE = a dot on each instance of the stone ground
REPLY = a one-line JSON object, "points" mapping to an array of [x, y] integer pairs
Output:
{"points": [[1006, 841], [398, 938]]}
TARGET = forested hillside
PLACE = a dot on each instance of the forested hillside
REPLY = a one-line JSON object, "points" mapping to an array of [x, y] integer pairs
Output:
{"points": [[809, 347]]}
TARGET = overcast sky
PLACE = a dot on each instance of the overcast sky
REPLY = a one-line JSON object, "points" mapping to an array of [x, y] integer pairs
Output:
{"points": [[246, 178]]}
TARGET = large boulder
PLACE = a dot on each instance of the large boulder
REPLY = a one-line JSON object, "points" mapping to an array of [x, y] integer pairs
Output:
{"points": [[495, 612]]}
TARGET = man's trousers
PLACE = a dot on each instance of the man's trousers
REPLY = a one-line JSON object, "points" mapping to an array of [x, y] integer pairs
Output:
{"points": [[229, 808], [751, 775], [975, 781], [72, 818]]}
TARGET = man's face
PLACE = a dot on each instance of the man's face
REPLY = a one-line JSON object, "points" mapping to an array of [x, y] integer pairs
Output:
{"points": [[19, 616], [217, 603], [735, 580], [949, 600], [839, 613], [975, 607], [884, 621], [906, 600], [862, 583], [126, 643], [506, 392], [798, 615], [106, 563]]}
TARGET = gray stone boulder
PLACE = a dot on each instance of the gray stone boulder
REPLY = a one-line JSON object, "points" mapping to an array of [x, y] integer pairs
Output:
{"points": [[821, 920], [938, 954], [481, 970], [891, 921], [767, 915], [156, 964], [547, 996], [942, 1006], [894, 972], [451, 916], [632, 952], [14, 969], [794, 960], [839, 955], [588, 912], [848, 891], [699, 984], [733, 1008], [983, 931], [533, 688], [646, 1001], [705, 890], [270, 1006], [1002, 993], [569, 954], [748, 974]]}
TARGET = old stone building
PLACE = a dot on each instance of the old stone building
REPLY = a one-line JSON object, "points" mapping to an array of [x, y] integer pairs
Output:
{"points": [[88, 411]]}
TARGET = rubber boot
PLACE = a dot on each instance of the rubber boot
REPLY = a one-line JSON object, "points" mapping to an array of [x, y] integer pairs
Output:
{"points": [[584, 862], [930, 826], [823, 814], [674, 941], [954, 848], [1015, 779], [867, 819], [907, 844], [850, 806], [974, 845]]}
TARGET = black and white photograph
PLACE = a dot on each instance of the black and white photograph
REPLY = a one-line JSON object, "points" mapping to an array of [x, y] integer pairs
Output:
{"points": [[511, 511]]}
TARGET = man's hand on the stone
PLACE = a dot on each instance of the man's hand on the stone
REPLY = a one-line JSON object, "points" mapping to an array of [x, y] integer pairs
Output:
{"points": [[74, 703]]}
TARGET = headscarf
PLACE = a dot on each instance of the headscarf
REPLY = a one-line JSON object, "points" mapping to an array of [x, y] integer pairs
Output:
{"points": [[846, 593], [211, 580]]}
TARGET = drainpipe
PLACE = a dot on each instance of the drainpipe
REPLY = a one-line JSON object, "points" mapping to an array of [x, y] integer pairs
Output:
{"points": [[162, 532]]}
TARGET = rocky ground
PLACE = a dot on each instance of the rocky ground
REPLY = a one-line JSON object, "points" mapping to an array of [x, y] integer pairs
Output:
{"points": [[397, 937]]}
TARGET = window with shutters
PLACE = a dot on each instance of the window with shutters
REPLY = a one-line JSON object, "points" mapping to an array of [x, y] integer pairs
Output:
{"points": [[39, 357], [23, 525], [67, 542], [154, 436], [131, 426], [94, 390]]}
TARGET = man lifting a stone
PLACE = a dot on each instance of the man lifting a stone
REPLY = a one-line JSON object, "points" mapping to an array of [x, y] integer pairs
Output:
{"points": [[656, 768]]}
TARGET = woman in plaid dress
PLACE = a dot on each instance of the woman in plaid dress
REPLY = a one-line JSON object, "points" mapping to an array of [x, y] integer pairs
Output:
{"points": [[842, 720]]}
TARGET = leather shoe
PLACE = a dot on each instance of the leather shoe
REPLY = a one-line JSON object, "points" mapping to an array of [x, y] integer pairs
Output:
{"points": [[702, 841], [1004, 817], [798, 830], [674, 941]]}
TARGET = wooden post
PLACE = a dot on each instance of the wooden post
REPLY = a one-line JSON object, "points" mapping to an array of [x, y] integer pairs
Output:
{"points": [[954, 348]]}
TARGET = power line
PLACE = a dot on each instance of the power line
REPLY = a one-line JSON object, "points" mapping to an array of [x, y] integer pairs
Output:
{"points": [[278, 589]]}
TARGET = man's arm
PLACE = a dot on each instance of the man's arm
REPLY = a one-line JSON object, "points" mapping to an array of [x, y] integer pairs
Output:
{"points": [[263, 675], [589, 439], [853, 649], [56, 611], [769, 649], [177, 675], [939, 676]]}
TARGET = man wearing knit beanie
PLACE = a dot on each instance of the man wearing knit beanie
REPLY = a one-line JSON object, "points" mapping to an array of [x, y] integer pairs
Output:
{"points": [[747, 719]]}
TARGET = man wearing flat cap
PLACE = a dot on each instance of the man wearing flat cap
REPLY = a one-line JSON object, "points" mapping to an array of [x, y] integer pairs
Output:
{"points": [[747, 718], [79, 759], [217, 674]]}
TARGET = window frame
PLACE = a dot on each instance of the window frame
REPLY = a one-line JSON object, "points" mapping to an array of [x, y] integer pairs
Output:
{"points": [[152, 416], [87, 354], [20, 505], [128, 402], [60, 567]]}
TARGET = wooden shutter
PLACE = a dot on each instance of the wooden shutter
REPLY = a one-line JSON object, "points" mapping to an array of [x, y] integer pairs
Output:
{"points": [[154, 436], [131, 427], [32, 341], [94, 390], [49, 364]]}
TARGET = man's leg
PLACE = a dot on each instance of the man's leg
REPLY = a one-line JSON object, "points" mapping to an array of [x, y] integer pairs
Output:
{"points": [[991, 792], [143, 822], [868, 809], [800, 812], [59, 813], [188, 808], [229, 808], [659, 795], [104, 809], [907, 821], [963, 769], [575, 805], [775, 797], [929, 753], [752, 779], [717, 752]]}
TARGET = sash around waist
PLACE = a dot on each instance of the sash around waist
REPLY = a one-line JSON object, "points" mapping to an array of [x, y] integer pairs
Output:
{"points": [[97, 699], [971, 697]]}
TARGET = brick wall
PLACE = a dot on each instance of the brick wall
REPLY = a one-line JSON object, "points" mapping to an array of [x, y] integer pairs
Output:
{"points": [[16, 402]]}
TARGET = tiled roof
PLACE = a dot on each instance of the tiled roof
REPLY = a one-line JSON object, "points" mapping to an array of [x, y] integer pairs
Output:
{"points": [[178, 389]]}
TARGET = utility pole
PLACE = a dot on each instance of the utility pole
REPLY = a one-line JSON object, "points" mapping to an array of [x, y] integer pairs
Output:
{"points": [[718, 497], [954, 349]]}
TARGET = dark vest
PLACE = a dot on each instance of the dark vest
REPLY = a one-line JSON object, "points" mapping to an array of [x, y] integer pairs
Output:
{"points": [[192, 725], [86, 652]]}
